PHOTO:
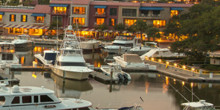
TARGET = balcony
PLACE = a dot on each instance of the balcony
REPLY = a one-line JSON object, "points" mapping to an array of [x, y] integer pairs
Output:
{"points": [[150, 15], [77, 13], [59, 13], [39, 23], [100, 14]]}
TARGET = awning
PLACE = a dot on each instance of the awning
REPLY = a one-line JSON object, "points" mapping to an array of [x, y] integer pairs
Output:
{"points": [[85, 29], [25, 26], [100, 6], [38, 14], [151, 8], [176, 8], [2, 13], [92, 29], [58, 5]]}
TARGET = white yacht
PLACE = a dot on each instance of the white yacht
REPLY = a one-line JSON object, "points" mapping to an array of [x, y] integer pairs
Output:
{"points": [[161, 52], [23, 43], [48, 58], [142, 49], [121, 44], [70, 62], [90, 46], [116, 71], [37, 98], [200, 105], [131, 62]]}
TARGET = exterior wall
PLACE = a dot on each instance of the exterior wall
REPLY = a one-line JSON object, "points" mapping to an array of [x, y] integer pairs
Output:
{"points": [[121, 18], [214, 61], [108, 16], [86, 15], [30, 19]]}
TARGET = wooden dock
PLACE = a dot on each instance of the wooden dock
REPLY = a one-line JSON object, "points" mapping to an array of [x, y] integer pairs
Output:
{"points": [[102, 78], [182, 74], [31, 68]]}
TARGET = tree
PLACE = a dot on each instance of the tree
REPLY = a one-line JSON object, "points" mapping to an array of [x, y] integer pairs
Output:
{"points": [[101, 28], [152, 32], [140, 26], [119, 27]]}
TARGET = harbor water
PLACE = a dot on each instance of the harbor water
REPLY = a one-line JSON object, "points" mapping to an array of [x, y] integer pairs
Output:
{"points": [[152, 91]]}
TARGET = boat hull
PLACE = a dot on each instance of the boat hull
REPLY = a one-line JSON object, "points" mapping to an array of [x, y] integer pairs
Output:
{"points": [[70, 74], [24, 46]]}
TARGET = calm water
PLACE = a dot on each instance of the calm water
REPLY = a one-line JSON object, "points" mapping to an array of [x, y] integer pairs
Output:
{"points": [[150, 90]]}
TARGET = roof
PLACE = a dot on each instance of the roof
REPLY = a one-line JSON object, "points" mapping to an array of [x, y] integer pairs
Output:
{"points": [[132, 58], [37, 9], [114, 3], [26, 90], [75, 2]]}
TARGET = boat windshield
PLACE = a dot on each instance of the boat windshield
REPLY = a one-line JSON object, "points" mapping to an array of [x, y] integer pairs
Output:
{"points": [[126, 45], [124, 38], [2, 100], [71, 64]]}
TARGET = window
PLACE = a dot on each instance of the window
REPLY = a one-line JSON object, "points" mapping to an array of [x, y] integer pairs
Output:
{"points": [[35, 99], [174, 13], [113, 11], [156, 12], [144, 13], [128, 12], [159, 23], [12, 18], [100, 11], [26, 99], [45, 98], [7, 56], [16, 100], [100, 21], [23, 18], [80, 21], [79, 10], [2, 100], [39, 19], [112, 22], [0, 17], [129, 22], [59, 10]]}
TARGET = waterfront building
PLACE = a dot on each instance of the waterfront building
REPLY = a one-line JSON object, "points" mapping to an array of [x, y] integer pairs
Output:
{"points": [[16, 20]]}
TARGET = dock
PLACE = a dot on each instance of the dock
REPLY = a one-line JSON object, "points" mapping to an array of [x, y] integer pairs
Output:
{"points": [[102, 78], [31, 68], [184, 75]]}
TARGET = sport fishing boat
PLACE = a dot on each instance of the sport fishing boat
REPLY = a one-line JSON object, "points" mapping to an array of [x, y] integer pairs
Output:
{"points": [[23, 43], [70, 63], [37, 98], [121, 44], [48, 58], [200, 105]]}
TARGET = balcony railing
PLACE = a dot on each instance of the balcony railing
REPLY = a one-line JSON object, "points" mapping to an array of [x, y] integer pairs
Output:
{"points": [[149, 15], [58, 13], [79, 13], [100, 14]]}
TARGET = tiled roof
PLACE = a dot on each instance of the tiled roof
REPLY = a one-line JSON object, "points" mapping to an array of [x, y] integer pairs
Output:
{"points": [[76, 2], [142, 4], [36, 9]]}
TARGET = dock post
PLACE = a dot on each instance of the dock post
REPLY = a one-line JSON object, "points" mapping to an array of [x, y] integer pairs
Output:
{"points": [[64, 74], [211, 75], [200, 72], [111, 73]]}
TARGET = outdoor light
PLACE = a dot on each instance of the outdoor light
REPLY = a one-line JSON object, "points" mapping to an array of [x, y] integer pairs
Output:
{"points": [[183, 83], [152, 59], [175, 64], [160, 60], [174, 80], [146, 58], [193, 69], [184, 67], [167, 63]]}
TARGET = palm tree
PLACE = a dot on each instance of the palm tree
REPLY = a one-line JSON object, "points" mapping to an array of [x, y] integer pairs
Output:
{"points": [[153, 32], [140, 26]]}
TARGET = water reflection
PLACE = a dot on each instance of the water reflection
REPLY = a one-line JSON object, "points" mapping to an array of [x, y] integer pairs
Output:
{"points": [[70, 88]]}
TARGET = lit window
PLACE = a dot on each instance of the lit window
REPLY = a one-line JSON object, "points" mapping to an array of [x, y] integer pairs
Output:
{"points": [[23, 18], [174, 13], [100, 21], [80, 21], [79, 10], [159, 23], [112, 22], [100, 11], [129, 22], [12, 18], [0, 17], [39, 19], [59, 10]]}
